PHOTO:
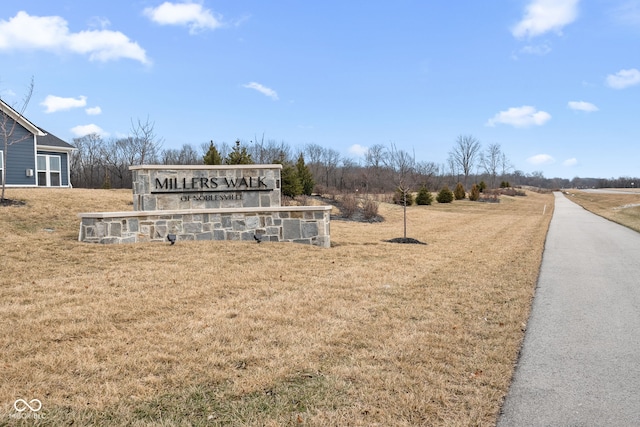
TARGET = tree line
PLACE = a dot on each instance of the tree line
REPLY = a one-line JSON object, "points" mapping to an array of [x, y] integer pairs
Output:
{"points": [[100, 163]]}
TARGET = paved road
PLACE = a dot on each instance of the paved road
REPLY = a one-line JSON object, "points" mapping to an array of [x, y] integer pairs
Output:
{"points": [[580, 361]]}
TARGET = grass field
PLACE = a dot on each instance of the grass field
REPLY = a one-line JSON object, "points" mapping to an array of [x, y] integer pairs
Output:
{"points": [[617, 206], [364, 333]]}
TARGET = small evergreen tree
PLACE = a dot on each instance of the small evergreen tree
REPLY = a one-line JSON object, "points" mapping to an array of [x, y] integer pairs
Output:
{"points": [[459, 192], [399, 197], [212, 157], [424, 196], [474, 194], [305, 176], [291, 186], [445, 195], [482, 186], [239, 156]]}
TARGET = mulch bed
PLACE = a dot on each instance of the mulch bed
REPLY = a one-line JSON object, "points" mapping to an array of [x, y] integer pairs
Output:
{"points": [[357, 216], [405, 240], [10, 202]]}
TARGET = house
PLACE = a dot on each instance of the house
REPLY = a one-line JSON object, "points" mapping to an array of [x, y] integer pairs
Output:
{"points": [[35, 158]]}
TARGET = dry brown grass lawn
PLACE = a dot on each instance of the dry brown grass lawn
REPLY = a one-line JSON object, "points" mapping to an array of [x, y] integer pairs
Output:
{"points": [[619, 207], [235, 333]]}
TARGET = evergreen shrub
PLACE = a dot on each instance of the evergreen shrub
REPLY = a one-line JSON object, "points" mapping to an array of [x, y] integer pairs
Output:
{"points": [[474, 194], [445, 195], [459, 192], [424, 196], [291, 186]]}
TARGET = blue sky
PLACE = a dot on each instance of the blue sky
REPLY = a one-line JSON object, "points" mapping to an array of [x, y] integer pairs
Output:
{"points": [[555, 82]]}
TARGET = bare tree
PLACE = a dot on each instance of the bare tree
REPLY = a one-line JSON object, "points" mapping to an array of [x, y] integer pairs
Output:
{"points": [[270, 151], [118, 155], [313, 156], [348, 176], [145, 144], [313, 153], [375, 163], [505, 164], [187, 155], [452, 167], [403, 164], [536, 179], [490, 161], [87, 166], [8, 126], [465, 154], [425, 172], [330, 161]]}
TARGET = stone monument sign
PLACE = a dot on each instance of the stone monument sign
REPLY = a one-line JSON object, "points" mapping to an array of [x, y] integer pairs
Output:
{"points": [[240, 202]]}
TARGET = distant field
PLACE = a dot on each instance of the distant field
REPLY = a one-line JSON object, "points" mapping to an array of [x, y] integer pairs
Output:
{"points": [[237, 333], [618, 205]]}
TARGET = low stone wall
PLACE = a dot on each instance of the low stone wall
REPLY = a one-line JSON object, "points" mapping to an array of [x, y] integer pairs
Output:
{"points": [[301, 224]]}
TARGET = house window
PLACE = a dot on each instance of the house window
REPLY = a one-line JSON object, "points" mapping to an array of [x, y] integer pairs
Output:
{"points": [[48, 170], [1, 167]]}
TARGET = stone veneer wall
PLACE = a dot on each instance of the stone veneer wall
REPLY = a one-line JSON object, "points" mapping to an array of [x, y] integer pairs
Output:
{"points": [[301, 224]]}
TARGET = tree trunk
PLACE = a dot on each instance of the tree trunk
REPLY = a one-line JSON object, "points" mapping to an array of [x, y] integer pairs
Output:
{"points": [[405, 213]]}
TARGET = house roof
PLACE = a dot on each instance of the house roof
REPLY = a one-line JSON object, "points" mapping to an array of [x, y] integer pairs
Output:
{"points": [[44, 138], [51, 140], [9, 111]]}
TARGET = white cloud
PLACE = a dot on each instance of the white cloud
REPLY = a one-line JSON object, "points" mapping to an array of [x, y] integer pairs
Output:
{"points": [[93, 111], [542, 16], [541, 159], [582, 106], [82, 130], [520, 117], [358, 150], [105, 45], [99, 22], [57, 103], [192, 15], [570, 162], [624, 78], [262, 89], [51, 33], [541, 49]]}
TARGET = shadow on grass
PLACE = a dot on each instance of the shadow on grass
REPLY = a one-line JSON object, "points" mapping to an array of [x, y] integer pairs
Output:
{"points": [[292, 401]]}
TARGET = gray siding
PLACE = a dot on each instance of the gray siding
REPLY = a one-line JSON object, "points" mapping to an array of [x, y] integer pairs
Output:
{"points": [[20, 157]]}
